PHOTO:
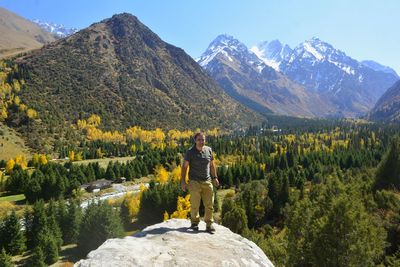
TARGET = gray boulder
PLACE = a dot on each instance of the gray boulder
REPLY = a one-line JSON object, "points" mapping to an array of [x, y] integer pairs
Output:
{"points": [[172, 243]]}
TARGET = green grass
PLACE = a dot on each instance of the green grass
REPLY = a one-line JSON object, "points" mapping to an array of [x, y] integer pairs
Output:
{"points": [[11, 144], [104, 162], [13, 198]]}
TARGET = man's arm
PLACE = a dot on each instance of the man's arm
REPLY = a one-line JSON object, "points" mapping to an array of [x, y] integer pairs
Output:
{"points": [[213, 170], [185, 166]]}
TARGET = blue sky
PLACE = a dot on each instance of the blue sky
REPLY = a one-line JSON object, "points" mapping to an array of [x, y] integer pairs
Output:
{"points": [[363, 29]]}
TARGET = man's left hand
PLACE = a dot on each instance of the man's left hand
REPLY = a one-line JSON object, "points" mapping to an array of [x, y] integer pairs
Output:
{"points": [[215, 182]]}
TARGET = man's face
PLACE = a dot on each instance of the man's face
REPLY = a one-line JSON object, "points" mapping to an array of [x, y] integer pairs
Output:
{"points": [[200, 140]]}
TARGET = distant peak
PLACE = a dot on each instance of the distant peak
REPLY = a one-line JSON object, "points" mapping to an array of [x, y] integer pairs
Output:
{"points": [[275, 42], [315, 41], [228, 41], [224, 39], [225, 44], [124, 15], [225, 36], [124, 18], [319, 49]]}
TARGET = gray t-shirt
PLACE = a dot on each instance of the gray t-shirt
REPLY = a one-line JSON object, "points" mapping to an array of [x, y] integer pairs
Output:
{"points": [[199, 163]]}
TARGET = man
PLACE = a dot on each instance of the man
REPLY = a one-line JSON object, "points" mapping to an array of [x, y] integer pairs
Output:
{"points": [[202, 177]]}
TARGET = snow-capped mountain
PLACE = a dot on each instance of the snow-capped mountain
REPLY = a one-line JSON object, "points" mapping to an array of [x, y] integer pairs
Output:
{"points": [[229, 47], [252, 82], [352, 86], [272, 53], [58, 30], [378, 67]]}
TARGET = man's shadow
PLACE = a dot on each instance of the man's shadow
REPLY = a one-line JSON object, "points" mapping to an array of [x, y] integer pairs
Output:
{"points": [[163, 230]]}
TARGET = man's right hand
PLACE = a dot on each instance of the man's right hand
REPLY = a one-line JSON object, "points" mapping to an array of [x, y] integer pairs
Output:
{"points": [[184, 186]]}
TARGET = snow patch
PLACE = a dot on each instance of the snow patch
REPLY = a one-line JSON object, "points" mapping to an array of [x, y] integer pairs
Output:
{"points": [[260, 68], [312, 51], [226, 54], [269, 62], [346, 68]]}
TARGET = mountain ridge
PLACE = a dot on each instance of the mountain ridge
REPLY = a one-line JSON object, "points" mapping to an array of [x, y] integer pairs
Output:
{"points": [[19, 34], [239, 71], [121, 70], [352, 86], [388, 106], [59, 30], [346, 87]]}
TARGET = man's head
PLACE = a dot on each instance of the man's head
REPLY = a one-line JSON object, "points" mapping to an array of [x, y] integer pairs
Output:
{"points": [[199, 139]]}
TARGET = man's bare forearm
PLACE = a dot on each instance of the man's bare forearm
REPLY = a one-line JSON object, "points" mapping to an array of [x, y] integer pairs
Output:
{"points": [[183, 174], [213, 169]]}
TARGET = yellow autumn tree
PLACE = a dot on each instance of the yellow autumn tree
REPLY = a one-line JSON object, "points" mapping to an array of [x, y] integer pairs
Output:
{"points": [[133, 148], [21, 161], [161, 174], [78, 156], [177, 135], [17, 100], [31, 113], [94, 120], [22, 107], [10, 165], [82, 124], [71, 155], [3, 113], [176, 174], [16, 85], [43, 159], [39, 159], [99, 153], [132, 202], [213, 132], [166, 216], [182, 208], [35, 159]]}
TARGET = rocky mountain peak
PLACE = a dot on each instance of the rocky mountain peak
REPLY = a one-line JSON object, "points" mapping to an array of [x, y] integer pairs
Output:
{"points": [[350, 87], [229, 47], [226, 41], [172, 243], [121, 70], [318, 50], [272, 53], [59, 30]]}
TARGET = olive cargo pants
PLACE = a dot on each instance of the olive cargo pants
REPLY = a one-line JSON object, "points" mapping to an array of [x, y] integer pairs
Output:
{"points": [[201, 190]]}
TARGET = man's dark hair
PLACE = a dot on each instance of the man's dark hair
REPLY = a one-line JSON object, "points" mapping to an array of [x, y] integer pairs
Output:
{"points": [[197, 134]]}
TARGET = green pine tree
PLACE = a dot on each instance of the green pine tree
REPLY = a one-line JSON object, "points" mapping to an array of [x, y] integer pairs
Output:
{"points": [[72, 223], [52, 223], [347, 236], [12, 236], [235, 220], [388, 173], [37, 258], [5, 259], [99, 223], [35, 223]]}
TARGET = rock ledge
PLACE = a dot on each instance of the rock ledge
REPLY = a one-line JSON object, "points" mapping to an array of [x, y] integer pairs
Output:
{"points": [[172, 243]]}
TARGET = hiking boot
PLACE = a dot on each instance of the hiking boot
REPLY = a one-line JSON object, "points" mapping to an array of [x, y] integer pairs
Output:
{"points": [[194, 227], [210, 229]]}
